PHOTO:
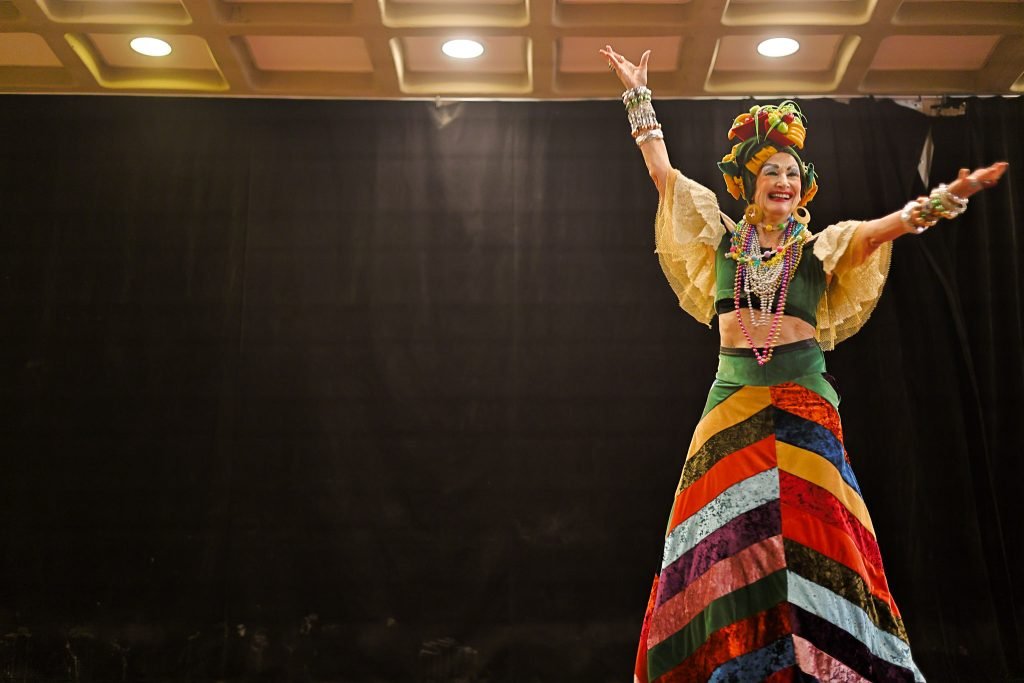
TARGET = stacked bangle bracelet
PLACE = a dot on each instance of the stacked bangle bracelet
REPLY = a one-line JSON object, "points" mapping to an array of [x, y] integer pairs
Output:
{"points": [[643, 122], [941, 203]]}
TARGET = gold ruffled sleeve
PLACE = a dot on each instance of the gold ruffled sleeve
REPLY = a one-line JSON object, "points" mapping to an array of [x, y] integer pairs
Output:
{"points": [[854, 290], [687, 233]]}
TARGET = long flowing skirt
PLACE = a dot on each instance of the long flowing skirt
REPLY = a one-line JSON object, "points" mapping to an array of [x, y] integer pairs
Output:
{"points": [[771, 570]]}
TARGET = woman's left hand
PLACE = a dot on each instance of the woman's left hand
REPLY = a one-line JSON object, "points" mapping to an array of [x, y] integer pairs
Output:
{"points": [[969, 182]]}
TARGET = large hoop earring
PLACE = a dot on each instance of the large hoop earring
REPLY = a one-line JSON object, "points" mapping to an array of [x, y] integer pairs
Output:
{"points": [[802, 215], [753, 214]]}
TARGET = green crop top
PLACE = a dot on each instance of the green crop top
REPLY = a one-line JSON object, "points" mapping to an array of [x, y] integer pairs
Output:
{"points": [[805, 289], [691, 240]]}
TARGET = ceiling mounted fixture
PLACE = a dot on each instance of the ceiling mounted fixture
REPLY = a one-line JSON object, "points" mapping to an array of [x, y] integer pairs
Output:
{"points": [[463, 49], [151, 47], [778, 47]]}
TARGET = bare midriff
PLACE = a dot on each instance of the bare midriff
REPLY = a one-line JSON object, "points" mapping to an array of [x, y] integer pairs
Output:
{"points": [[791, 329]]}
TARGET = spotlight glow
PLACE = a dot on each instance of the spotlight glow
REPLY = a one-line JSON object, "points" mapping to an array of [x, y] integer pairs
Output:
{"points": [[778, 47], [463, 49], [151, 47]]}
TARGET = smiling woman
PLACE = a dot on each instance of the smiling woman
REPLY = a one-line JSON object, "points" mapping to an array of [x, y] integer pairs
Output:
{"points": [[770, 569]]}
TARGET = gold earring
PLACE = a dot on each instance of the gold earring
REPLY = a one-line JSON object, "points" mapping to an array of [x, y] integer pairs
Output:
{"points": [[753, 214], [802, 215]]}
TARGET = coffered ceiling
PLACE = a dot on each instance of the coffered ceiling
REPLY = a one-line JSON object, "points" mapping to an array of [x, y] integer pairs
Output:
{"points": [[543, 49]]}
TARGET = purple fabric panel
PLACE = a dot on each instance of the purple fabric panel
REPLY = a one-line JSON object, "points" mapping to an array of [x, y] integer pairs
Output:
{"points": [[745, 530]]}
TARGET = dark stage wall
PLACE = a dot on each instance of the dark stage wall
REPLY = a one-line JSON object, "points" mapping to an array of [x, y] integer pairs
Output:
{"points": [[376, 391]]}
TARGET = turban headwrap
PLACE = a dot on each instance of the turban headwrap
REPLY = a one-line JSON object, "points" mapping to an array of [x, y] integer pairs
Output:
{"points": [[761, 133]]}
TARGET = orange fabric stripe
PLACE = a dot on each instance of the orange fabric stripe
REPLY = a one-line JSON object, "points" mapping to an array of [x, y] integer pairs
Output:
{"points": [[811, 532], [730, 642], [733, 468], [803, 402]]}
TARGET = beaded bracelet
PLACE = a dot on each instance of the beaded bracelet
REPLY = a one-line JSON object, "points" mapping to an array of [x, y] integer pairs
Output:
{"points": [[635, 93], [948, 204], [940, 203], [640, 113]]}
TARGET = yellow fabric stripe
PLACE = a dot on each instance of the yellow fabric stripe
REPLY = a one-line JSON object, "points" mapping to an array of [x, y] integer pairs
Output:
{"points": [[813, 468], [742, 405]]}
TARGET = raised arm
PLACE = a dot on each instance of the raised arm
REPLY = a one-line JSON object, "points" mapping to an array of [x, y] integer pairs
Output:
{"points": [[635, 76], [911, 219]]}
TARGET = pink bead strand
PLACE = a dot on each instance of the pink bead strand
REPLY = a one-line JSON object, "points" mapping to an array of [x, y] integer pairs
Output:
{"points": [[790, 257]]}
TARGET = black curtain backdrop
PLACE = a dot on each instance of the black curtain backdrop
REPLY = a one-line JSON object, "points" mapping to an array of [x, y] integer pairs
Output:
{"points": [[378, 391]]}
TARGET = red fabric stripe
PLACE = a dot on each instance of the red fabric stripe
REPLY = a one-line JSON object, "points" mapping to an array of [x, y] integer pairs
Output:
{"points": [[801, 401], [640, 670], [733, 468], [730, 642], [787, 675], [807, 529], [815, 500]]}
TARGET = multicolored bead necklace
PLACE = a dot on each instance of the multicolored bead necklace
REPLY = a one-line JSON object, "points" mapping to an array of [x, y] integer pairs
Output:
{"points": [[761, 272]]}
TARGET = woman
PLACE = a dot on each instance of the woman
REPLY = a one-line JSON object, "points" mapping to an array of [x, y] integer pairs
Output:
{"points": [[770, 568]]}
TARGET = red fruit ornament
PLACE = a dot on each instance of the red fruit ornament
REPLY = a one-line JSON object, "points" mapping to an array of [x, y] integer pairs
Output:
{"points": [[743, 127]]}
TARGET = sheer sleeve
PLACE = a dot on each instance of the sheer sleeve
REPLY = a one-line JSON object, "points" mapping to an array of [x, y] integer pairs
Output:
{"points": [[854, 290], [687, 232]]}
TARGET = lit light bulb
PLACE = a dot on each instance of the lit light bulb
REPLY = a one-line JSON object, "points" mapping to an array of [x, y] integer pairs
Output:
{"points": [[463, 49], [151, 47], [778, 47]]}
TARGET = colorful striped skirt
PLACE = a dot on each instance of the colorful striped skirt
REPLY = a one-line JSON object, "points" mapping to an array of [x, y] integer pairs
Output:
{"points": [[771, 571]]}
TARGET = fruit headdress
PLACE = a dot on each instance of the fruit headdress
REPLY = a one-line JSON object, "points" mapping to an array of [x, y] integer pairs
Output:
{"points": [[762, 132]]}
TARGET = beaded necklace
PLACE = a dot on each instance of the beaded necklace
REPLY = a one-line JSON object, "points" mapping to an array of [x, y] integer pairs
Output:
{"points": [[761, 272]]}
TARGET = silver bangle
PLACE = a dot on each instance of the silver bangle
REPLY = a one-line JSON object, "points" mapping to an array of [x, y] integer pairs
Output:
{"points": [[908, 222], [639, 110], [642, 119], [647, 136]]}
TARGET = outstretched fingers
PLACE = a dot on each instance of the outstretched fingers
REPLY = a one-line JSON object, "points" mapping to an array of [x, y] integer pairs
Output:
{"points": [[969, 182]]}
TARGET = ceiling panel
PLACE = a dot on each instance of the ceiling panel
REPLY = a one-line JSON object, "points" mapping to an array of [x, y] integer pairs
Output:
{"points": [[543, 49], [580, 54], [739, 53], [634, 3], [949, 53], [26, 49], [309, 53], [502, 55], [187, 52]]}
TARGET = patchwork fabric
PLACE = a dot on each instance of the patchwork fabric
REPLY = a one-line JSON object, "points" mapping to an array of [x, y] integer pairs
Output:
{"points": [[771, 570]]}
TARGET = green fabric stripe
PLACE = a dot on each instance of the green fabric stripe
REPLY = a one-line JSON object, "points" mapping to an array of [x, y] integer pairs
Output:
{"points": [[740, 604], [758, 426], [803, 366], [845, 583], [783, 367]]}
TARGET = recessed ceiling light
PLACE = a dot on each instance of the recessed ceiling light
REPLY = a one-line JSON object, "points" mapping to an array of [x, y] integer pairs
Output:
{"points": [[778, 47], [151, 47], [463, 49]]}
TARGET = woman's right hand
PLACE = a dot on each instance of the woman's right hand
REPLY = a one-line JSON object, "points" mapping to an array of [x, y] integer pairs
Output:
{"points": [[632, 75]]}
